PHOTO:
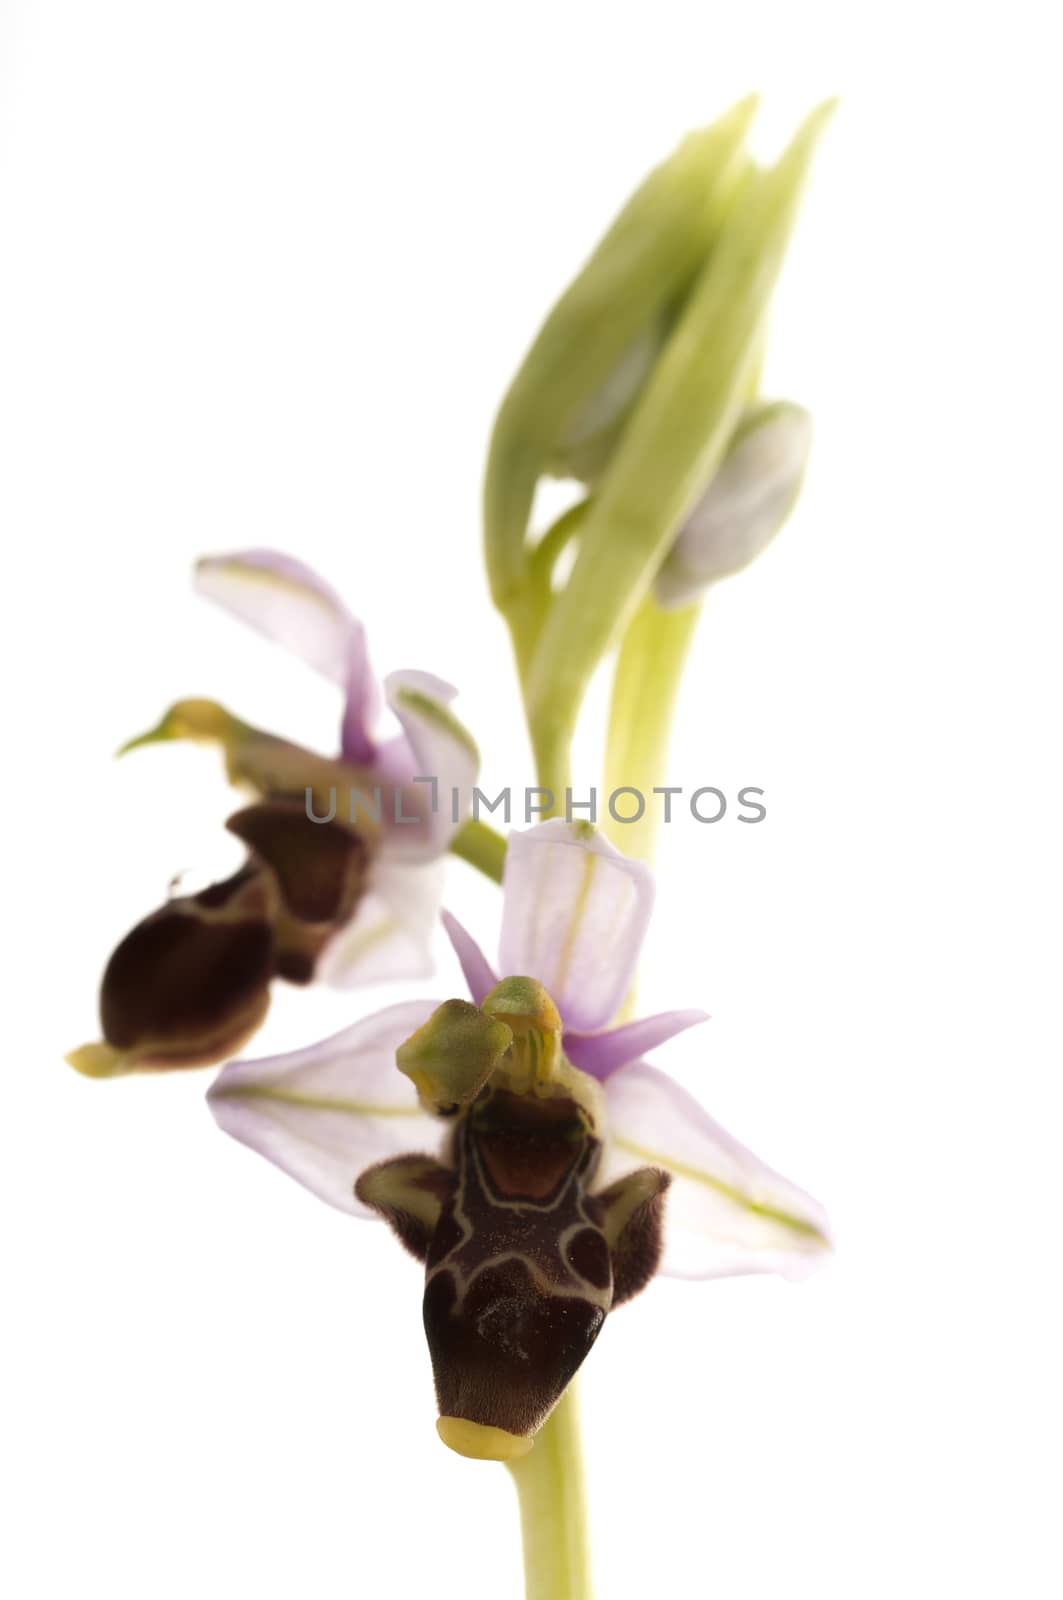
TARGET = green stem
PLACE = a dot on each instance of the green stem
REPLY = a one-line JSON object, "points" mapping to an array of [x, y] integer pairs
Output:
{"points": [[482, 848], [553, 1510], [526, 611], [552, 744], [645, 688]]}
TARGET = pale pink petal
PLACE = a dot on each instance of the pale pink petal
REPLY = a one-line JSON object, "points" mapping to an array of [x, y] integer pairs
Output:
{"points": [[574, 916], [602, 1054], [287, 602], [727, 1212], [474, 964], [394, 761], [326, 1113], [436, 760], [360, 708], [390, 934]]}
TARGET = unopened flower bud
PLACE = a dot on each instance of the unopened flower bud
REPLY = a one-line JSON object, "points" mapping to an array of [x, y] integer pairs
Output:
{"points": [[591, 359], [744, 506]]}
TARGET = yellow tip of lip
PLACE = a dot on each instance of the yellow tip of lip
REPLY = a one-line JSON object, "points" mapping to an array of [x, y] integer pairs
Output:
{"points": [[481, 1443], [98, 1061]]}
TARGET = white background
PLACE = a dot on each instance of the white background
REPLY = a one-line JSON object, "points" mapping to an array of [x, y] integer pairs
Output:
{"points": [[265, 272]]}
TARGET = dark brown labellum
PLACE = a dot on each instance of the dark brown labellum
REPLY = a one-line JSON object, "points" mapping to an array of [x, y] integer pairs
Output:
{"points": [[523, 1261], [319, 869], [189, 984]]}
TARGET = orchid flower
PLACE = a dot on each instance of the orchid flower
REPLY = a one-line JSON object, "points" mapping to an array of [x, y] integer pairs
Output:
{"points": [[343, 877], [521, 1149]]}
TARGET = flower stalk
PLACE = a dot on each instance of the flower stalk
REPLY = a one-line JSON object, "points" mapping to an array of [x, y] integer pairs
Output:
{"points": [[482, 847], [553, 1508], [649, 670]]}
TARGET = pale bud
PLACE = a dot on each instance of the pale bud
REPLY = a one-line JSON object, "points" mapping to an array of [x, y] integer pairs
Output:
{"points": [[745, 505]]}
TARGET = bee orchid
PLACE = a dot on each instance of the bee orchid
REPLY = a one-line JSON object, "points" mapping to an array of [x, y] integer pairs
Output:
{"points": [[343, 876], [527, 1154]]}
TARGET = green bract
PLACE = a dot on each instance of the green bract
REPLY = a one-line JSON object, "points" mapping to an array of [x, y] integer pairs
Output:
{"points": [[646, 261], [647, 362]]}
